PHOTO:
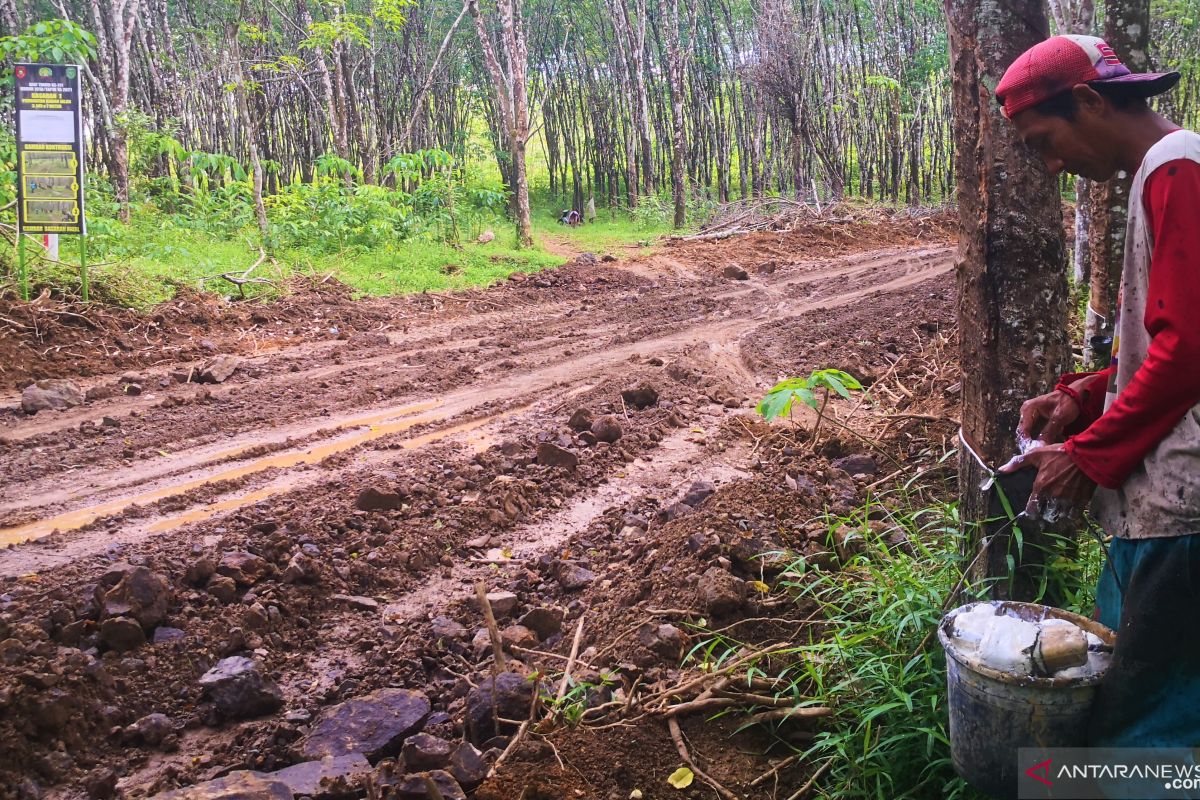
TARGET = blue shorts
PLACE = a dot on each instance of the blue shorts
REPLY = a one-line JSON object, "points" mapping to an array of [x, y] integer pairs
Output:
{"points": [[1149, 593]]}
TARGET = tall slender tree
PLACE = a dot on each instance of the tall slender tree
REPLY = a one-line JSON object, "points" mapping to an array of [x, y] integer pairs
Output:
{"points": [[1012, 289], [1127, 31], [511, 87]]}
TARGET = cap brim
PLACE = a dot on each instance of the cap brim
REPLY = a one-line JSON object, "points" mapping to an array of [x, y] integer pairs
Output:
{"points": [[1147, 84]]}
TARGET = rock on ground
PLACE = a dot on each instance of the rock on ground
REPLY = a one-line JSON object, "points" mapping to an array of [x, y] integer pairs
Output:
{"points": [[665, 641], [502, 603], [698, 493], [54, 394], [467, 766], [423, 752], [518, 636], [375, 725], [101, 783], [639, 397], [357, 602], [545, 621], [150, 729], [721, 592], [122, 634], [373, 499], [572, 577], [239, 690], [328, 779], [447, 628], [735, 273], [223, 588], [141, 594], [245, 568], [581, 420], [240, 785], [217, 370], [607, 429], [412, 787], [857, 464], [551, 455], [512, 695]]}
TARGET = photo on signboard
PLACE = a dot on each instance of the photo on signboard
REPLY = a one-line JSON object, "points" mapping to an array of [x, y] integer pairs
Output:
{"points": [[37, 163], [48, 126], [43, 211], [50, 186]]}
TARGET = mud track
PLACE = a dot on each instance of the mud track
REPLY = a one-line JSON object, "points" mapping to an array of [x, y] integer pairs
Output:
{"points": [[448, 405], [259, 436]]}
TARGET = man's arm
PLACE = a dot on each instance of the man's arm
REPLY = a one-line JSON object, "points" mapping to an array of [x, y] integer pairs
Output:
{"points": [[1167, 384]]}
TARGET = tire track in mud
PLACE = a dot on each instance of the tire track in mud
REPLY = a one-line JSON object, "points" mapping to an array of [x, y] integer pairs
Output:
{"points": [[548, 362]]}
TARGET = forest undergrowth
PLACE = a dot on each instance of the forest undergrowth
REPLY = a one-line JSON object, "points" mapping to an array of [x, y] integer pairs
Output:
{"points": [[869, 649]]}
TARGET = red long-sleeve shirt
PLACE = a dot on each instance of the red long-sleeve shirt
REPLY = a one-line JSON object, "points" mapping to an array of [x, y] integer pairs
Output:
{"points": [[1167, 384]]}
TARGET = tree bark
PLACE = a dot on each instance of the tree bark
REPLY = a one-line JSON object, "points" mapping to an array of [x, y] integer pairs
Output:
{"points": [[1127, 31], [251, 124], [1012, 290], [675, 58], [419, 95], [511, 96]]}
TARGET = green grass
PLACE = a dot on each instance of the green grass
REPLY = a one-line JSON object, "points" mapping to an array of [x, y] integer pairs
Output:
{"points": [[874, 656], [143, 263], [617, 233]]}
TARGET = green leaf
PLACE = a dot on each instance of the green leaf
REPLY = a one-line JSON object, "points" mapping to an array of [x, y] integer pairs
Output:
{"points": [[681, 778], [836, 385]]}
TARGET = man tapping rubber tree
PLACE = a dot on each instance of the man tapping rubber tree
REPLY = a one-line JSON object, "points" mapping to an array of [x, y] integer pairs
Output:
{"points": [[1132, 430]]}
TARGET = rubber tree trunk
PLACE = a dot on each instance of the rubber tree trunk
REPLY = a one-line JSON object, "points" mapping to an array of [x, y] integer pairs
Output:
{"points": [[676, 57], [1127, 30], [512, 99], [1079, 16], [1011, 271]]}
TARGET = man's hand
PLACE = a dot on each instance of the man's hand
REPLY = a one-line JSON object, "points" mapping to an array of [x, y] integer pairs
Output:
{"points": [[1060, 490], [1045, 418]]}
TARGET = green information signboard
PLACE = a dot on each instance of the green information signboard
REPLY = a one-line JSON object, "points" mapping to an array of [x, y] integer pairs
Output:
{"points": [[49, 116], [49, 148]]}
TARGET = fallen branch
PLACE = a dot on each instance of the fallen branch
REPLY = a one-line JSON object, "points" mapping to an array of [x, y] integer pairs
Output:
{"points": [[566, 678], [696, 706], [782, 714], [688, 685], [493, 629], [803, 790], [677, 738], [766, 776]]}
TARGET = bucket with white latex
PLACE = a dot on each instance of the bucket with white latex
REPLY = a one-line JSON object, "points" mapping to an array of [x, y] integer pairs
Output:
{"points": [[1018, 675]]}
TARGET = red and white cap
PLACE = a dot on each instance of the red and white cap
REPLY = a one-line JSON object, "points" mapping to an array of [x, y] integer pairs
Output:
{"points": [[1062, 62]]}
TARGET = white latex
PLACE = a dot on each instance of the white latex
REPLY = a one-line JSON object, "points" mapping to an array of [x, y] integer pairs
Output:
{"points": [[969, 627], [1007, 644]]}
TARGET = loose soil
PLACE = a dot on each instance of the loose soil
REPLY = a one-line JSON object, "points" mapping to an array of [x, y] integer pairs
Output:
{"points": [[440, 404]]}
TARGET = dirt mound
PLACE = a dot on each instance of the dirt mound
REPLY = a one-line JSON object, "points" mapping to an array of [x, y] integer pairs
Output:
{"points": [[578, 440], [50, 339]]}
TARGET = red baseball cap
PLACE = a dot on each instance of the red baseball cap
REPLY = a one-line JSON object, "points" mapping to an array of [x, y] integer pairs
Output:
{"points": [[1062, 62]]}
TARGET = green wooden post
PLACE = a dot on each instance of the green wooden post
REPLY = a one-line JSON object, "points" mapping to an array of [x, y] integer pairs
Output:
{"points": [[21, 275], [83, 275]]}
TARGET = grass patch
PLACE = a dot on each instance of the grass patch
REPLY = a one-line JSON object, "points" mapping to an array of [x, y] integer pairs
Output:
{"points": [[618, 234], [872, 653], [143, 263]]}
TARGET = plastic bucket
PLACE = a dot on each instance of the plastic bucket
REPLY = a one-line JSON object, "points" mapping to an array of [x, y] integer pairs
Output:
{"points": [[993, 713]]}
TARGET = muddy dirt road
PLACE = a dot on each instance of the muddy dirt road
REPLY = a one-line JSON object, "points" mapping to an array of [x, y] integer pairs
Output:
{"points": [[338, 494]]}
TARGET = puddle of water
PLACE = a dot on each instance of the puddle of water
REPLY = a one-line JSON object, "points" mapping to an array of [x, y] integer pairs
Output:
{"points": [[478, 442], [412, 416]]}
